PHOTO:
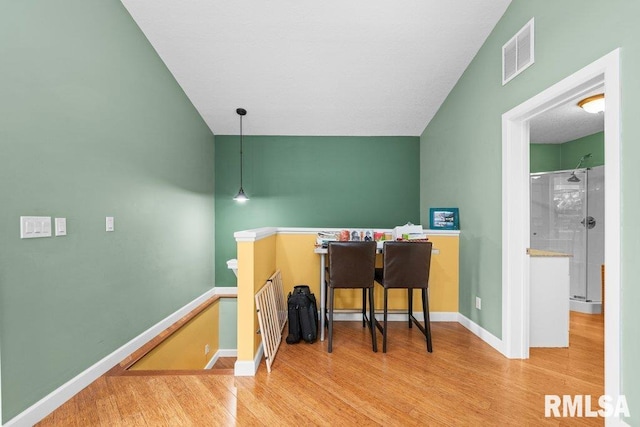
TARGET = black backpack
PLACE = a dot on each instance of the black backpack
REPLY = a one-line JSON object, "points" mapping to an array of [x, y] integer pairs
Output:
{"points": [[303, 315]]}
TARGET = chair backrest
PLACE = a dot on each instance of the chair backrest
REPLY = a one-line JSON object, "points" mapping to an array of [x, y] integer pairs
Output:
{"points": [[352, 264], [407, 264]]}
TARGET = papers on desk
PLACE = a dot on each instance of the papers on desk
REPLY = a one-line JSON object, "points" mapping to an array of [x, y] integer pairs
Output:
{"points": [[324, 238], [408, 232], [404, 232]]}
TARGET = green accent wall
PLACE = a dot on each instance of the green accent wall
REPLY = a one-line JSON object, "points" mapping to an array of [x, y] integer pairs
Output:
{"points": [[545, 157], [92, 124], [461, 149], [572, 151], [304, 181], [553, 157]]}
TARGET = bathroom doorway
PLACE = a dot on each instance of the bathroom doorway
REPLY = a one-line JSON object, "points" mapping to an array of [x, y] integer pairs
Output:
{"points": [[516, 216], [567, 191]]}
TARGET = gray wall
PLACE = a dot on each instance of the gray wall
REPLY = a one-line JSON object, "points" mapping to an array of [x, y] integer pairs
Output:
{"points": [[92, 124], [461, 148]]}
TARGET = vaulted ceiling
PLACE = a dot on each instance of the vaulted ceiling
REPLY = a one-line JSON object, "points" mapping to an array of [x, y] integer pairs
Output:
{"points": [[336, 67]]}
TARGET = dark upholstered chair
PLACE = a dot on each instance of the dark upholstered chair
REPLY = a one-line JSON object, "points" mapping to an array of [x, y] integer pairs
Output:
{"points": [[352, 266], [406, 266]]}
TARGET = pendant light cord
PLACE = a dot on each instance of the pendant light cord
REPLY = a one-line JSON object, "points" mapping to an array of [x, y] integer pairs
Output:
{"points": [[241, 152]]}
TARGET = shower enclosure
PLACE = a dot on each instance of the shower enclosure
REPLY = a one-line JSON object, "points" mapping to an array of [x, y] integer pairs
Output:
{"points": [[567, 215]]}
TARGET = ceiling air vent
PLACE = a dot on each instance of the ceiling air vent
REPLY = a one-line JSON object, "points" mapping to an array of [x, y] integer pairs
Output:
{"points": [[517, 53]]}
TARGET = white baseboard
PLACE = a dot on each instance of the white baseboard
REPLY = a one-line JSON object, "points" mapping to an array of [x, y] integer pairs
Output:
{"points": [[228, 352], [56, 398], [221, 353], [482, 333], [212, 361], [248, 368]]}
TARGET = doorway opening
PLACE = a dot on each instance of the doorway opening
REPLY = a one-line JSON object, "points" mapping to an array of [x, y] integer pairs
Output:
{"points": [[516, 215]]}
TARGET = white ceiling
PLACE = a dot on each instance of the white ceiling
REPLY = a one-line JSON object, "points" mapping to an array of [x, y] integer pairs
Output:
{"points": [[335, 67], [566, 122]]}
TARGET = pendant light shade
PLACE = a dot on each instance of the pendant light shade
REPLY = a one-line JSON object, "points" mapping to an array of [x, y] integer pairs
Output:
{"points": [[241, 196]]}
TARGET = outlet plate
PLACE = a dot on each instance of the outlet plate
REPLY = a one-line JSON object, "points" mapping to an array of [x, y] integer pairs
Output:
{"points": [[478, 303], [207, 349]]}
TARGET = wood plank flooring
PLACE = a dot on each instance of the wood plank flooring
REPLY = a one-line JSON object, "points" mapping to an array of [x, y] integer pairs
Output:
{"points": [[463, 382]]}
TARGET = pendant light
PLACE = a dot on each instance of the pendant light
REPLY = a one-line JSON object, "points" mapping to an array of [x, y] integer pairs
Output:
{"points": [[241, 196]]}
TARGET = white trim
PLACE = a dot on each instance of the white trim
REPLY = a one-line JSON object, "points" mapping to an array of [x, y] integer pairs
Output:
{"points": [[314, 230], [231, 352], [228, 352], [481, 333], [226, 291], [515, 211], [53, 400], [248, 368], [212, 361], [255, 234], [252, 235]]}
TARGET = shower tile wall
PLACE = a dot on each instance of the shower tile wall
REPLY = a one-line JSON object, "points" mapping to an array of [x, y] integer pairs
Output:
{"points": [[558, 207]]}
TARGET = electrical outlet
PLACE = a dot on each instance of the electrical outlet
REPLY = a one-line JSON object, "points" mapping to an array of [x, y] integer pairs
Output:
{"points": [[207, 349], [478, 303]]}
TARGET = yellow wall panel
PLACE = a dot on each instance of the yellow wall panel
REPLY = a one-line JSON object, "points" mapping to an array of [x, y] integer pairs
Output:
{"points": [[185, 348], [246, 305], [297, 262], [300, 265], [256, 263]]}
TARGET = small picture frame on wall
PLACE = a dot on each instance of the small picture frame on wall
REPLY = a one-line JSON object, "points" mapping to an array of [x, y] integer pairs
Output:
{"points": [[444, 219]]}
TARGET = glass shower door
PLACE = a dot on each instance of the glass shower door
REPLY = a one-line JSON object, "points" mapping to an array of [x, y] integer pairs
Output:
{"points": [[558, 209]]}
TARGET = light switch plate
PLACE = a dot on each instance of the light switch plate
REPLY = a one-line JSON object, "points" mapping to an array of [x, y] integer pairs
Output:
{"points": [[110, 223], [61, 226], [32, 227]]}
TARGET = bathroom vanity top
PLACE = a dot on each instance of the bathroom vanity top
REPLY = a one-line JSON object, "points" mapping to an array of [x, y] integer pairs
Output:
{"points": [[541, 253]]}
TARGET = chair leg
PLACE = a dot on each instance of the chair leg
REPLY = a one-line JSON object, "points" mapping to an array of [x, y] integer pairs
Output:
{"points": [[364, 307], [410, 301], [384, 321], [330, 323], [372, 325], [427, 321]]}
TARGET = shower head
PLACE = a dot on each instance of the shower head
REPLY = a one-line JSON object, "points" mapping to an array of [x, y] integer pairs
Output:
{"points": [[573, 177]]}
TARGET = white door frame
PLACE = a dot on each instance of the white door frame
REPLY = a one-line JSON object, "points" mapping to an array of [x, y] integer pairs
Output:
{"points": [[516, 214]]}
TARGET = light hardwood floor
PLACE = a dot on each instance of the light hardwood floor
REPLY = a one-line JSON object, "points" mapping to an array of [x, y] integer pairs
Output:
{"points": [[463, 382]]}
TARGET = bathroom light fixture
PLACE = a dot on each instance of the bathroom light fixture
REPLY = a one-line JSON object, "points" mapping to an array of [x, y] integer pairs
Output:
{"points": [[593, 104], [241, 196]]}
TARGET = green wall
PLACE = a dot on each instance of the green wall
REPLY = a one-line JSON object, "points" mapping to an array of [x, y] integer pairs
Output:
{"points": [[300, 181], [461, 148], [572, 151], [553, 157], [545, 157], [92, 124]]}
